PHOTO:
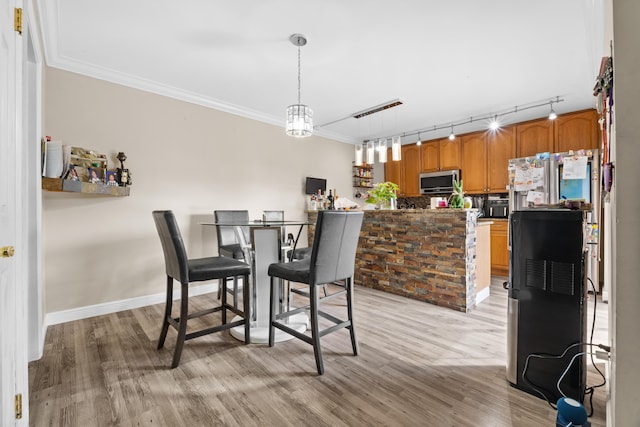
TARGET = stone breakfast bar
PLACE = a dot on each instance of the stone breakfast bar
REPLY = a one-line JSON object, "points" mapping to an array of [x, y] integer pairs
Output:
{"points": [[425, 254]]}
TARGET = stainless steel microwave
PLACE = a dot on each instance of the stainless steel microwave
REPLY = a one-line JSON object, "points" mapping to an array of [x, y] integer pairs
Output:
{"points": [[438, 182]]}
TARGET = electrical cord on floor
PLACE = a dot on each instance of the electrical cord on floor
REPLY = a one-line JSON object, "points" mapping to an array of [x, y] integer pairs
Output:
{"points": [[588, 390], [538, 389]]}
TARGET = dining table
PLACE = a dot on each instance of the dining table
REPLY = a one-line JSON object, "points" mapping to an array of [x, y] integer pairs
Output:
{"points": [[264, 248]]}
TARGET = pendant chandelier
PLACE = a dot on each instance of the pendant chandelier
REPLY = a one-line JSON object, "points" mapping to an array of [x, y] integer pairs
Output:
{"points": [[299, 116]]}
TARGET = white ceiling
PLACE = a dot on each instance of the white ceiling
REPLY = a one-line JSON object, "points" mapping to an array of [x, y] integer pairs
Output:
{"points": [[447, 60]]}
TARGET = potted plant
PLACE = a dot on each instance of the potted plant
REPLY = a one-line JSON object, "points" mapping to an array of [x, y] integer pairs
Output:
{"points": [[382, 194], [456, 200]]}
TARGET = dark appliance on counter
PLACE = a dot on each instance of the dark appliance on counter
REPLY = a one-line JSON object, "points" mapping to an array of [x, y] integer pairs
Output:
{"points": [[496, 208], [312, 185], [438, 182], [546, 303]]}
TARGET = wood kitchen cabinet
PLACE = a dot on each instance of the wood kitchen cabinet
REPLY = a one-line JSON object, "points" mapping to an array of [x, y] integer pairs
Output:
{"points": [[500, 247], [393, 171], [534, 137], [485, 159], [501, 146], [450, 154], [411, 168], [474, 163], [440, 154], [430, 156], [576, 131]]}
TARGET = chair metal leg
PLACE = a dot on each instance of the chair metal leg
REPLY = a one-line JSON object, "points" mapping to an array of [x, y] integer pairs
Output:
{"points": [[315, 332], [246, 303], [223, 302], [182, 324], [272, 312], [235, 292], [352, 329], [167, 313]]}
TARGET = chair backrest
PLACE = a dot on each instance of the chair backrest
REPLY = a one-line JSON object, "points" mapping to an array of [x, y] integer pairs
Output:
{"points": [[273, 215], [175, 254], [276, 216], [227, 235], [335, 242]]}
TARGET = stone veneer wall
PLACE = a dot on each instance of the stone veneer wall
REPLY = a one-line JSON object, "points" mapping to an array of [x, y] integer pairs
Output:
{"points": [[423, 254]]}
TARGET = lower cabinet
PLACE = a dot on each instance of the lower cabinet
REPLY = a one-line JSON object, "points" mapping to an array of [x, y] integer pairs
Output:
{"points": [[500, 247]]}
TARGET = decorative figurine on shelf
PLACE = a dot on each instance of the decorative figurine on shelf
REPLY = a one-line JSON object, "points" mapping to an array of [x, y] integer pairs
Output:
{"points": [[124, 176]]}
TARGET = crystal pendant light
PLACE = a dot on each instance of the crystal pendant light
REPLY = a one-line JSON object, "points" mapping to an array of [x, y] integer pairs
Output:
{"points": [[299, 116]]}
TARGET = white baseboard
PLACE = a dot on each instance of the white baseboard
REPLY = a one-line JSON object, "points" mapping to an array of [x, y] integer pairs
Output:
{"points": [[482, 295], [79, 313]]}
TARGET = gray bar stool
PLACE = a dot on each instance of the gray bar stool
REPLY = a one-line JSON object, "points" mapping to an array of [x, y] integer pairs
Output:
{"points": [[179, 267], [332, 260]]}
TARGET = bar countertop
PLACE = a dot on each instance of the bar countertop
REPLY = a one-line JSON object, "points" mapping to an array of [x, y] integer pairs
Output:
{"points": [[425, 254]]}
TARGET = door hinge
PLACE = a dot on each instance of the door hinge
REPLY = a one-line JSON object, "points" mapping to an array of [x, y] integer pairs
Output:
{"points": [[17, 20], [7, 251], [19, 406]]}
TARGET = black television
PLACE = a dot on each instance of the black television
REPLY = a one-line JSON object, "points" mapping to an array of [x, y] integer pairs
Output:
{"points": [[314, 184]]}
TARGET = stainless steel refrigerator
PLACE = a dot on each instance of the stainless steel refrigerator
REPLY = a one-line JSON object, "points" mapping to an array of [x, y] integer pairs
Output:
{"points": [[548, 179]]}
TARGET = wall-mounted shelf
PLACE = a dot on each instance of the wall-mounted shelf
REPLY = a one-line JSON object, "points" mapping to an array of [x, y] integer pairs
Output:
{"points": [[58, 184]]}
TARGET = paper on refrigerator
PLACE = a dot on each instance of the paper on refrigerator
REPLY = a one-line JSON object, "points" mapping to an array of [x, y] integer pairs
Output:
{"points": [[574, 167], [528, 178]]}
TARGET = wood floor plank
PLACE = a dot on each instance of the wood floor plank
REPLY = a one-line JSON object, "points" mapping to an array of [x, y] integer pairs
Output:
{"points": [[419, 364]]}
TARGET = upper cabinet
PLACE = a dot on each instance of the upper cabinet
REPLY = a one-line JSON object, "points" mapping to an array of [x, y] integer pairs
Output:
{"points": [[411, 165], [474, 162], [485, 157], [393, 171], [501, 146], [450, 156], [430, 156], [440, 154], [534, 137], [577, 131]]}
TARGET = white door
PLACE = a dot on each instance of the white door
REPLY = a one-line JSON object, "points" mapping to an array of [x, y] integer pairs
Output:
{"points": [[13, 379]]}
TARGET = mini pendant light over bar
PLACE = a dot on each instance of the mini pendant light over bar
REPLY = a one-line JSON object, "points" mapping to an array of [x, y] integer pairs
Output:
{"points": [[382, 150], [371, 152], [299, 116], [359, 155], [396, 148]]}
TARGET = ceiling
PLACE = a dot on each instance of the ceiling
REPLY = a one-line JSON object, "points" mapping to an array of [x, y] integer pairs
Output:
{"points": [[447, 61]]}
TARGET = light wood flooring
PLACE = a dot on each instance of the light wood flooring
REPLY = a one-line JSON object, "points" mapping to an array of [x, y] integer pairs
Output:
{"points": [[419, 365]]}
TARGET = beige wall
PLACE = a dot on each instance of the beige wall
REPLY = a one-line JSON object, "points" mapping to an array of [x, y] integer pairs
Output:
{"points": [[625, 300], [183, 157]]}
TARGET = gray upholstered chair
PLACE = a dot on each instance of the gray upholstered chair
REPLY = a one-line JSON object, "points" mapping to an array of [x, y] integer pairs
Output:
{"points": [[179, 267], [332, 260], [229, 244]]}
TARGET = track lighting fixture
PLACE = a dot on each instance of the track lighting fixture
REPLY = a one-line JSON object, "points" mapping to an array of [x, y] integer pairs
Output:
{"points": [[494, 124], [452, 135], [493, 118]]}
